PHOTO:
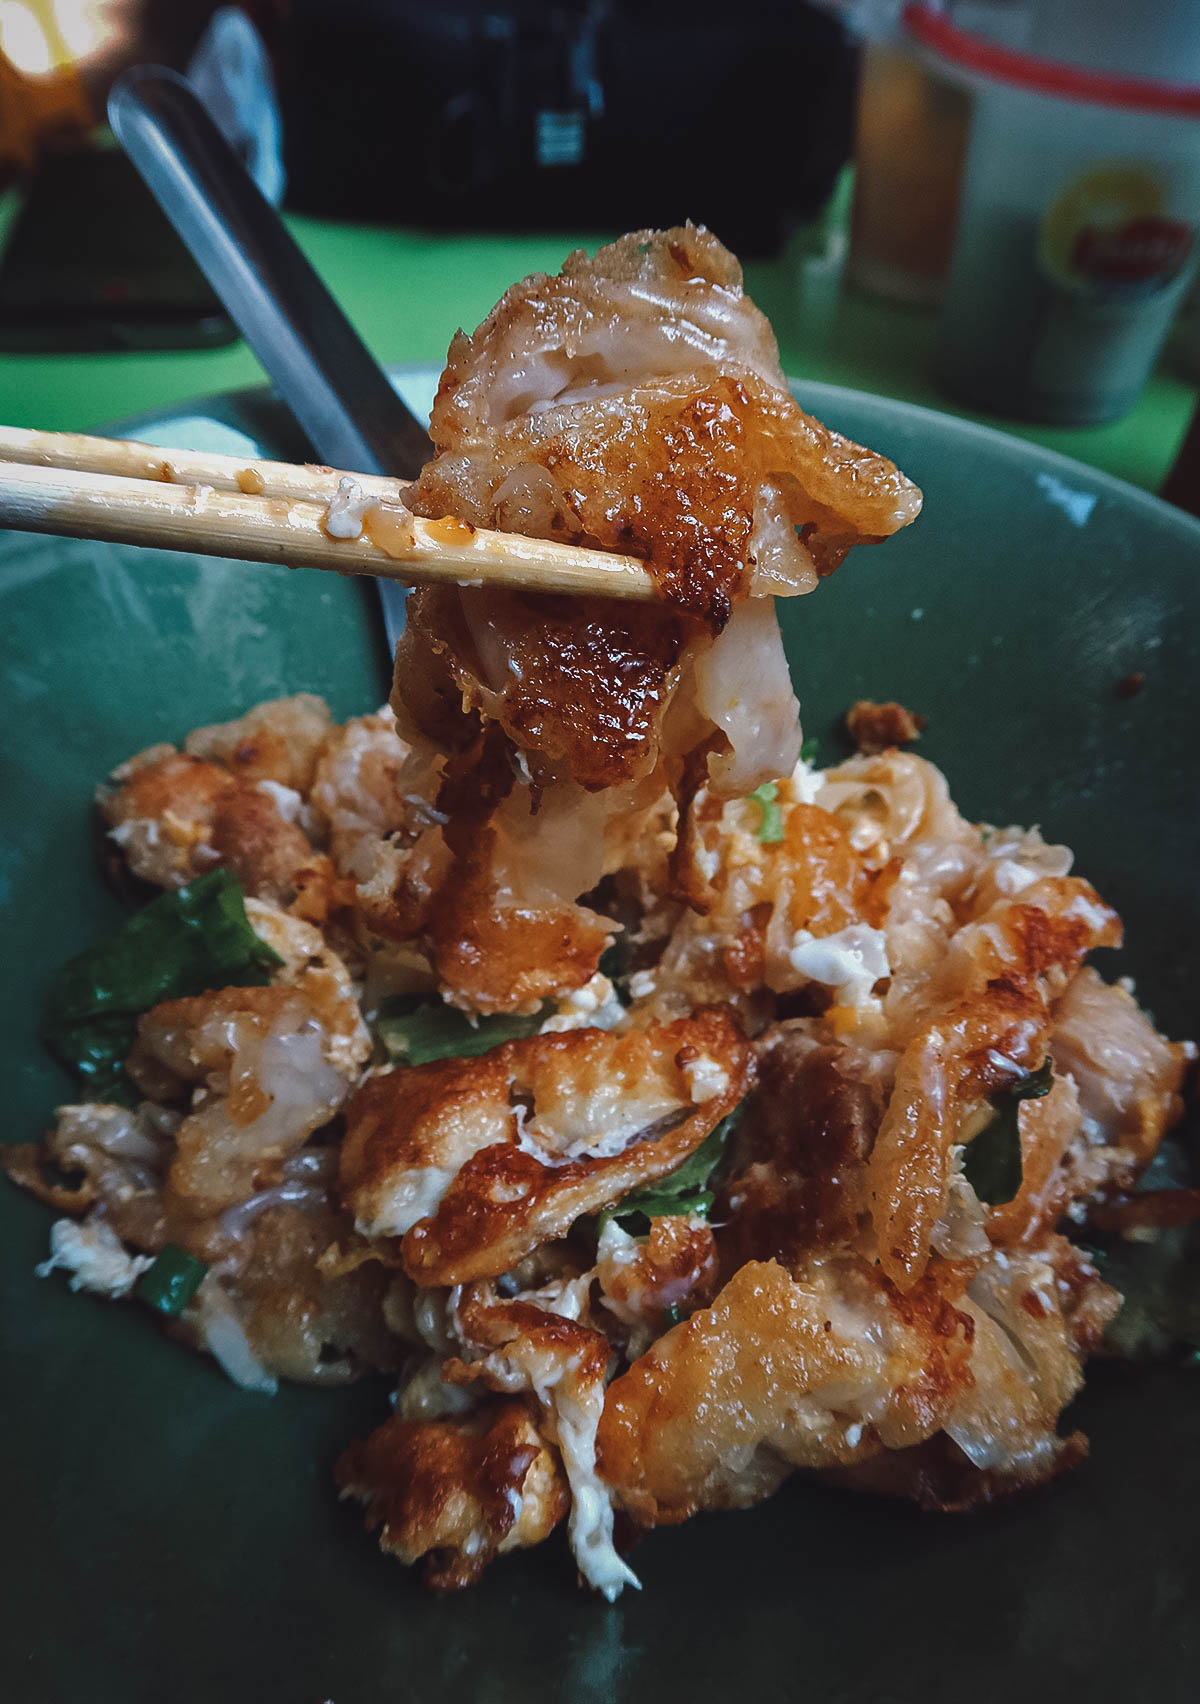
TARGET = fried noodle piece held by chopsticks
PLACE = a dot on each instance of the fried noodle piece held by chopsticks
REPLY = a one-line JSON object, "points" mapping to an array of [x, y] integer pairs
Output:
{"points": [[634, 403]]}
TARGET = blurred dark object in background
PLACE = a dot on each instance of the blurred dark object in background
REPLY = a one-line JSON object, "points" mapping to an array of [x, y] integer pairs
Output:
{"points": [[92, 263], [463, 115], [506, 114], [521, 116]]}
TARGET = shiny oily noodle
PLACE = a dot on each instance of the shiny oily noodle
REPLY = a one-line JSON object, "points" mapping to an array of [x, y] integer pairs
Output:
{"points": [[659, 1113]]}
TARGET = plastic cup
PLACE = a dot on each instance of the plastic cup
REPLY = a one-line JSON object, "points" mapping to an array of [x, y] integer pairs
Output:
{"points": [[910, 143], [1077, 231]]}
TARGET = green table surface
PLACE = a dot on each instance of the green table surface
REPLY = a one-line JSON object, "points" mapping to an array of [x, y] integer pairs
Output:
{"points": [[408, 290]]}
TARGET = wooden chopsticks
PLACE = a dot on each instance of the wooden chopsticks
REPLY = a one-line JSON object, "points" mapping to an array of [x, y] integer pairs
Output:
{"points": [[263, 511]]}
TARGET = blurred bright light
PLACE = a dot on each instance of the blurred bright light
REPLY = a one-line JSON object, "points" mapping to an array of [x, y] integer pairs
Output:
{"points": [[37, 36], [84, 25], [23, 39]]}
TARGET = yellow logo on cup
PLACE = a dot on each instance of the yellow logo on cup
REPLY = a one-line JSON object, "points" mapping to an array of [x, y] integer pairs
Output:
{"points": [[1108, 233]]}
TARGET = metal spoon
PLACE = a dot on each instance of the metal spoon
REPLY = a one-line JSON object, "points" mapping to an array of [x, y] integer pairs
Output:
{"points": [[313, 355]]}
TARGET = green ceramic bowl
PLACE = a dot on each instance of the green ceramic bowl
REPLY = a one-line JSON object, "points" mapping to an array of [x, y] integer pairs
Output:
{"points": [[172, 1538]]}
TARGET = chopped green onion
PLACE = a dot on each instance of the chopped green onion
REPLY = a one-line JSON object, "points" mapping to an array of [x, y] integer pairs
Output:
{"points": [[182, 943], [419, 1032], [808, 751], [672, 1315], [171, 1282], [684, 1191], [992, 1162], [770, 829]]}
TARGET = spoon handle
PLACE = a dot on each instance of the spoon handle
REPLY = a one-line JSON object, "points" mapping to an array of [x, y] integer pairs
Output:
{"points": [[316, 360]]}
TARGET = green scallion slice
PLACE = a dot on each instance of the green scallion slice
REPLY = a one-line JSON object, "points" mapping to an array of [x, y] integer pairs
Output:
{"points": [[172, 1281], [770, 829], [417, 1033]]}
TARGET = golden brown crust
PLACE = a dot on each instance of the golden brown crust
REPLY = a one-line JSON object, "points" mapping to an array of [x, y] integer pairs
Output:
{"points": [[456, 1492], [797, 1183], [687, 459], [502, 1324], [779, 1372], [634, 403], [178, 816], [833, 1368], [669, 468], [942, 1073], [504, 1202], [272, 859], [275, 741], [303, 1320], [174, 789], [411, 1117], [672, 1271], [955, 1061], [505, 958], [587, 683], [1131, 1080], [508, 1186]]}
